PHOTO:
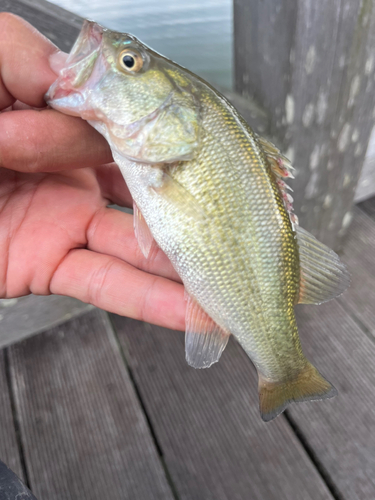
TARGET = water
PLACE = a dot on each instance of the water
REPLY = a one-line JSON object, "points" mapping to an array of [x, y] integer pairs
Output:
{"points": [[196, 34]]}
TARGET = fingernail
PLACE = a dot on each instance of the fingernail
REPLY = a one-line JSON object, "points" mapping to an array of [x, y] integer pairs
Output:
{"points": [[57, 61]]}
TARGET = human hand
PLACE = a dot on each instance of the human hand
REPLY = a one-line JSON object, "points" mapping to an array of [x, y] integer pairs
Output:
{"points": [[57, 234]]}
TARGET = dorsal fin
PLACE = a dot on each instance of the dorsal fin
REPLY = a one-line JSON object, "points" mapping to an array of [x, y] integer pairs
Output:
{"points": [[282, 169], [322, 274]]}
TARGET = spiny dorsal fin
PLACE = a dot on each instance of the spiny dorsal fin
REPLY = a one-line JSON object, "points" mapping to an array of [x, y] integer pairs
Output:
{"points": [[323, 276], [204, 339], [282, 169]]}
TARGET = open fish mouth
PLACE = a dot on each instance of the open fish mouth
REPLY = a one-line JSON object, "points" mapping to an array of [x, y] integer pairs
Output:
{"points": [[69, 92], [88, 41]]}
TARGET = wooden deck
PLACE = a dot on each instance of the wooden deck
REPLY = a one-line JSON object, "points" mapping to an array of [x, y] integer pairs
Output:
{"points": [[106, 407], [103, 407]]}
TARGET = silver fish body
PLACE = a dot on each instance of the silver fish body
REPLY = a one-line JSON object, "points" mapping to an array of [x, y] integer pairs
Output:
{"points": [[211, 194]]}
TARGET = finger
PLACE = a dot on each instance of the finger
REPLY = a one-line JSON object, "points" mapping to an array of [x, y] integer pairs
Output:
{"points": [[116, 286], [47, 141], [25, 73], [113, 186], [111, 232]]}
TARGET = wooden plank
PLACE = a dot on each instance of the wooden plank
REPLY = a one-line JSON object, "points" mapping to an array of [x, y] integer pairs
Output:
{"points": [[341, 435], [339, 336], [25, 316], [207, 423], [9, 452], [83, 431], [366, 184], [368, 207], [311, 66], [359, 255]]}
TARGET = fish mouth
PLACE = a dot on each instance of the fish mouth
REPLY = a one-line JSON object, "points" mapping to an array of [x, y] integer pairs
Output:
{"points": [[69, 92]]}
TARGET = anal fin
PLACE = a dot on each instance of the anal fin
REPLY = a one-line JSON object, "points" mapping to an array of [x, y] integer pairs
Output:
{"points": [[142, 232], [204, 339]]}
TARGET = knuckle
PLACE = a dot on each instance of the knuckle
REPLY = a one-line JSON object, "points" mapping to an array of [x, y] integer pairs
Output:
{"points": [[19, 146], [146, 300], [97, 282]]}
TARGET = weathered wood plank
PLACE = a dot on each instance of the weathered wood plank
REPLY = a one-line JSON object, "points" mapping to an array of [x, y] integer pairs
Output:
{"points": [[359, 255], [83, 431], [341, 434], [311, 66], [366, 183], [207, 423], [368, 207], [25, 316], [9, 452]]}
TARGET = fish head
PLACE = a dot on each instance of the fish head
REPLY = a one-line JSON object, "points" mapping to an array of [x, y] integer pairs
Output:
{"points": [[145, 105]]}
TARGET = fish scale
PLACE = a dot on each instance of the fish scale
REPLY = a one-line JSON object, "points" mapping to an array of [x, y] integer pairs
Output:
{"points": [[253, 268], [211, 193]]}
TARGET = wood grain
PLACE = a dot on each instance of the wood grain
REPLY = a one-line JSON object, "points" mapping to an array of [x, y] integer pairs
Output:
{"points": [[366, 184], [25, 316], [207, 423], [339, 337], [341, 434], [368, 207], [83, 431], [9, 452], [359, 255], [310, 65]]}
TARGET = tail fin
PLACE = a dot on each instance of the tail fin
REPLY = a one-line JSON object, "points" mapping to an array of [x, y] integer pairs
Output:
{"points": [[274, 397]]}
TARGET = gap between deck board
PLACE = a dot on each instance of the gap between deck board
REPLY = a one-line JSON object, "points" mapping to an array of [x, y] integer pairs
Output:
{"points": [[9, 450], [208, 425], [359, 255], [83, 432]]}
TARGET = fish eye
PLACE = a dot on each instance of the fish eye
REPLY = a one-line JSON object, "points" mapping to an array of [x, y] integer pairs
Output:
{"points": [[131, 60]]}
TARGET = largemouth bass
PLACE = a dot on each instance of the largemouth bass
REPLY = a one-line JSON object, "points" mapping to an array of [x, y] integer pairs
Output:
{"points": [[210, 192]]}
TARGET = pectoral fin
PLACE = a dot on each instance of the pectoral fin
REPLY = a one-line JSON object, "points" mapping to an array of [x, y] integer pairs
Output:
{"points": [[176, 195], [142, 232], [204, 339], [323, 276]]}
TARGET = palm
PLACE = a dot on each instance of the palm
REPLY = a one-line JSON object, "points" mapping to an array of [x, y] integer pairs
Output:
{"points": [[42, 218], [58, 236]]}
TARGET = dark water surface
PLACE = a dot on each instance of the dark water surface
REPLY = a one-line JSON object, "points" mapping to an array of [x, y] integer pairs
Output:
{"points": [[196, 34]]}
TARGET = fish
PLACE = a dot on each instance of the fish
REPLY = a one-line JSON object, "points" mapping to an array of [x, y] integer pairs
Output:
{"points": [[211, 193]]}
